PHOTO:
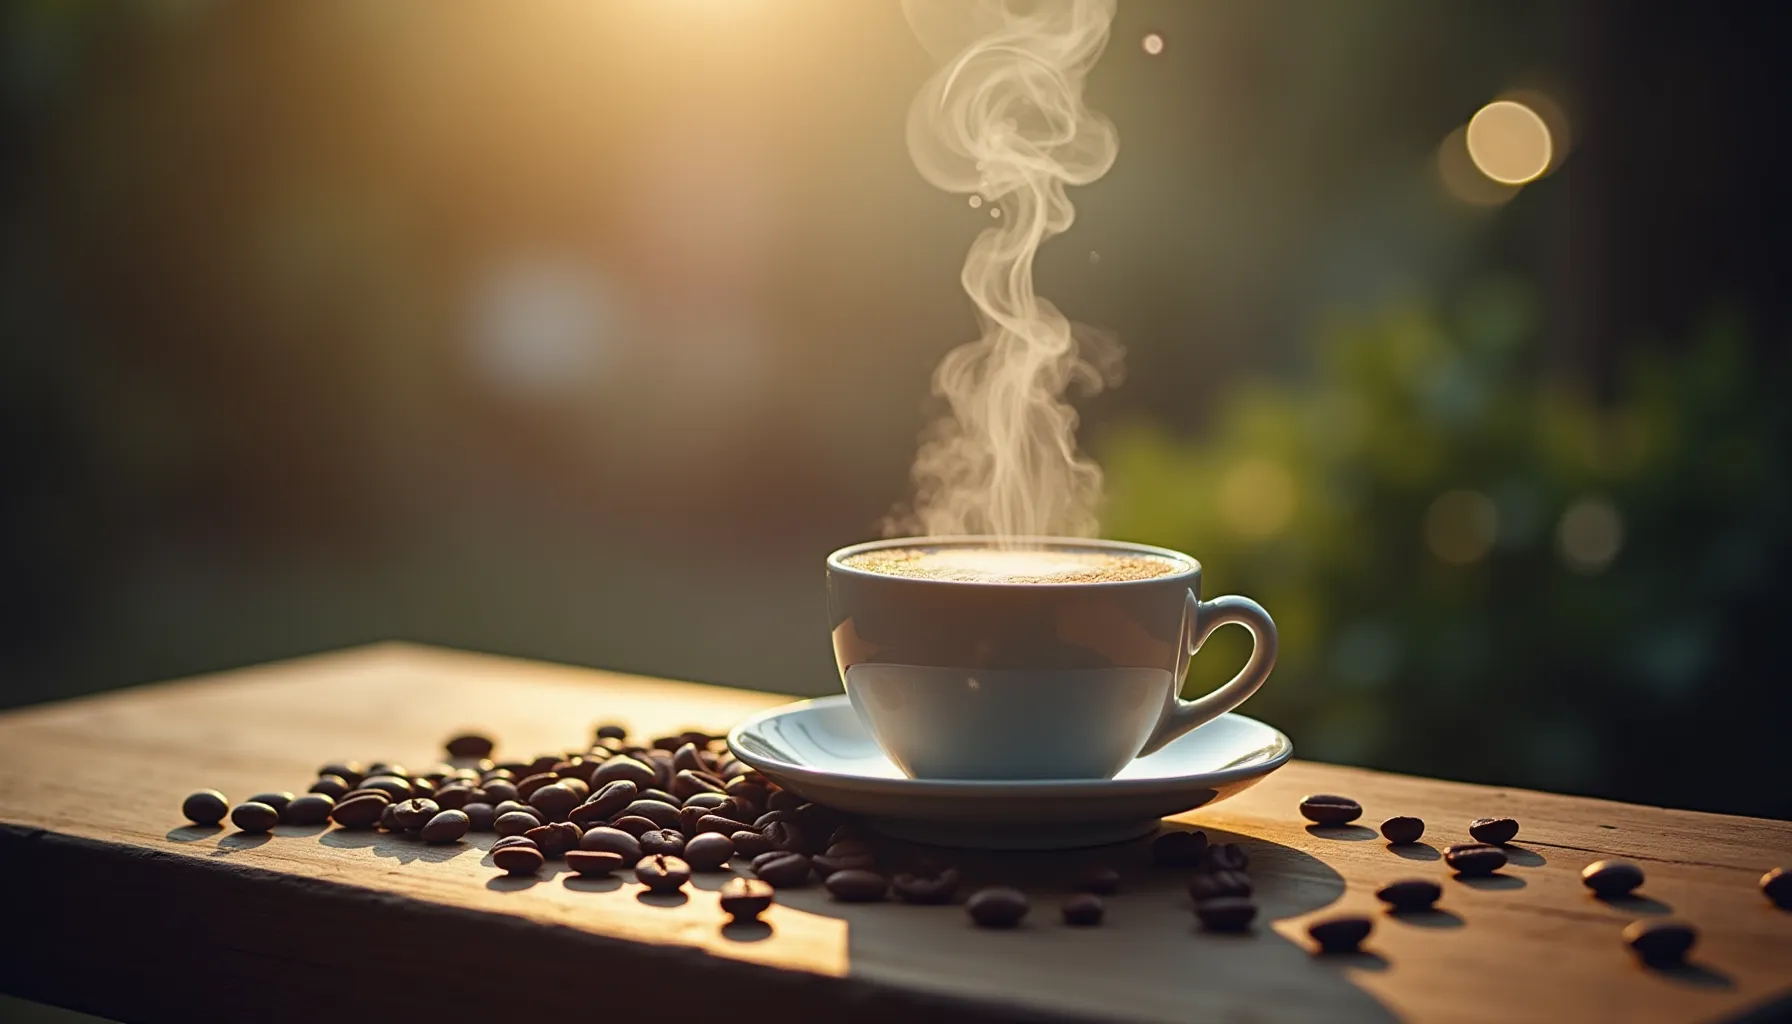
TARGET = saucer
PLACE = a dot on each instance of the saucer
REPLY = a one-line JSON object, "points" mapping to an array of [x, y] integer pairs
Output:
{"points": [[819, 750]]}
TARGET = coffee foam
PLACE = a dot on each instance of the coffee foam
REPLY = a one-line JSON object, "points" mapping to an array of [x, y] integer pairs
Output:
{"points": [[1001, 565]]}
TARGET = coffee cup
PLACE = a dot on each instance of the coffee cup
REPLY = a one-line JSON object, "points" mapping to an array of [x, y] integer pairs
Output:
{"points": [[1028, 658]]}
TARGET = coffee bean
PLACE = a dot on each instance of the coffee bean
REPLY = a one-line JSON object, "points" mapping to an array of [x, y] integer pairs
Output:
{"points": [[635, 825], [706, 801], [446, 827], [206, 807], [519, 860], [686, 758], [471, 746], [1402, 829], [1341, 934], [926, 887], [498, 791], [1410, 895], [1611, 878], [576, 787], [592, 863], [1660, 943], [310, 809], [688, 817], [391, 785], [1083, 911], [518, 807], [360, 811], [254, 816], [1329, 809], [663, 815], [333, 786], [662, 873], [1776, 885], [997, 907], [710, 851], [414, 813], [746, 789], [770, 816], [744, 899], [689, 783], [542, 765], [659, 796], [788, 835], [454, 797], [855, 885], [1473, 860], [1099, 880], [1179, 849], [1213, 885], [783, 800], [611, 798], [603, 839], [783, 869], [625, 768], [749, 843], [1496, 831], [392, 768], [556, 800], [515, 823], [554, 840], [725, 826], [530, 783], [666, 841], [387, 821], [509, 841], [1226, 914], [480, 817], [850, 855], [760, 860], [350, 772], [612, 731], [1227, 857]]}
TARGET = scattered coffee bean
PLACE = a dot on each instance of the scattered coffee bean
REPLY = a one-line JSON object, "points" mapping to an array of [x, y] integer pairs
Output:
{"points": [[1611, 879], [471, 746], [446, 827], [387, 821], [415, 813], [926, 887], [254, 816], [770, 816], [851, 855], [663, 815], [277, 801], [391, 785], [1402, 829], [1180, 849], [554, 840], [1410, 895], [1660, 943], [642, 775], [726, 826], [592, 863], [710, 851], [659, 796], [1495, 831], [1776, 885], [499, 791], [686, 758], [1099, 880], [1226, 914], [454, 797], [480, 817], [661, 873], [610, 799], [206, 807], [377, 768], [333, 786], [1341, 934], [530, 783], [1473, 860], [1083, 911], [310, 809], [667, 841], [509, 841], [1227, 857], [556, 800], [612, 731], [997, 907], [612, 840], [689, 783], [706, 801], [750, 843], [360, 811], [856, 885], [576, 787], [515, 823], [783, 800], [350, 772], [635, 825], [1213, 885], [1330, 809], [519, 860], [518, 807], [744, 899], [783, 869]]}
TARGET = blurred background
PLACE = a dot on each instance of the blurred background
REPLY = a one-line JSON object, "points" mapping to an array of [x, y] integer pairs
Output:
{"points": [[1456, 334]]}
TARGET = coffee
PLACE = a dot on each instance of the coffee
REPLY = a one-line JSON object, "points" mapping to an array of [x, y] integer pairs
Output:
{"points": [[1015, 565]]}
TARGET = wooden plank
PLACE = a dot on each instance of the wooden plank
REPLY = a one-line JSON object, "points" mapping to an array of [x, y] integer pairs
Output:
{"points": [[90, 789]]}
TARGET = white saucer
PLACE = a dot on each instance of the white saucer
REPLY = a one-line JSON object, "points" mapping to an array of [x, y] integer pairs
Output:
{"points": [[818, 749]]}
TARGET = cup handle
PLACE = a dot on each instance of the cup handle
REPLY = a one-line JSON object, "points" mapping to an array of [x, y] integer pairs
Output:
{"points": [[1205, 617]]}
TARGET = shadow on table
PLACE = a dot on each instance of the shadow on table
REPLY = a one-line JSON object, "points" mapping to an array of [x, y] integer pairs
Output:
{"points": [[1696, 975], [402, 848]]}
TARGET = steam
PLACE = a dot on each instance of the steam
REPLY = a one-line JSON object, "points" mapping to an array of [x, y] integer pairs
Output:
{"points": [[1004, 119]]}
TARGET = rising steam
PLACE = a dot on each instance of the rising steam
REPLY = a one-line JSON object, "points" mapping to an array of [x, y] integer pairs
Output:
{"points": [[1004, 119]]}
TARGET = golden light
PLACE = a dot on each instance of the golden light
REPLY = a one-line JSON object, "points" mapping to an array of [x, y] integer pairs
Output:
{"points": [[1590, 534], [1460, 526], [1509, 142], [1462, 179], [1256, 498], [1153, 44]]}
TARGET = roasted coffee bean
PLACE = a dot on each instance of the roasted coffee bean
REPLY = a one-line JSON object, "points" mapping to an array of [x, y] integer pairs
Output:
{"points": [[509, 841], [666, 841], [446, 827], [392, 768], [581, 770], [480, 817], [576, 787], [1083, 911], [1611, 878], [1776, 885], [350, 772], [662, 873], [1105, 881], [688, 818], [641, 774], [686, 759], [607, 801], [498, 791], [849, 855], [1213, 885], [1472, 860], [1660, 943], [360, 811], [542, 765], [471, 746], [1328, 809], [785, 870], [689, 783], [391, 785], [519, 860], [856, 886], [556, 800], [554, 840], [1341, 934], [515, 823], [663, 815], [744, 899], [788, 835], [723, 825], [746, 789], [1402, 829], [705, 801], [603, 839], [518, 807], [1180, 849], [592, 863], [710, 851], [277, 801], [310, 809], [635, 825], [387, 819], [1410, 894], [1226, 914], [731, 770], [530, 783], [254, 816], [206, 807], [659, 796], [1496, 831], [762, 859], [333, 786], [1227, 857], [783, 800], [414, 813], [770, 816], [454, 797], [926, 887], [612, 731], [997, 907], [749, 843]]}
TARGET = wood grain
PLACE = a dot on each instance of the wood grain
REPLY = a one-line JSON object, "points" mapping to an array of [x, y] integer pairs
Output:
{"points": [[135, 916]]}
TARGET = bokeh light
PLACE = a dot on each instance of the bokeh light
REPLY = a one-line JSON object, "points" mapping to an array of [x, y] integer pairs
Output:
{"points": [[1462, 179], [1257, 498], [1509, 142], [1590, 535], [1460, 526], [1153, 44]]}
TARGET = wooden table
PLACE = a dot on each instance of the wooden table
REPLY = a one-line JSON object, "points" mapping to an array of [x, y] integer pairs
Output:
{"points": [[115, 907]]}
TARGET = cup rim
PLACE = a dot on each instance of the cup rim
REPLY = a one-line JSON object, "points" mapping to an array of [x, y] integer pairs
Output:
{"points": [[837, 564]]}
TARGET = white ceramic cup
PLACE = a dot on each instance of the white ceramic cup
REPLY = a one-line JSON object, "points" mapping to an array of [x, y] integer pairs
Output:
{"points": [[972, 680]]}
